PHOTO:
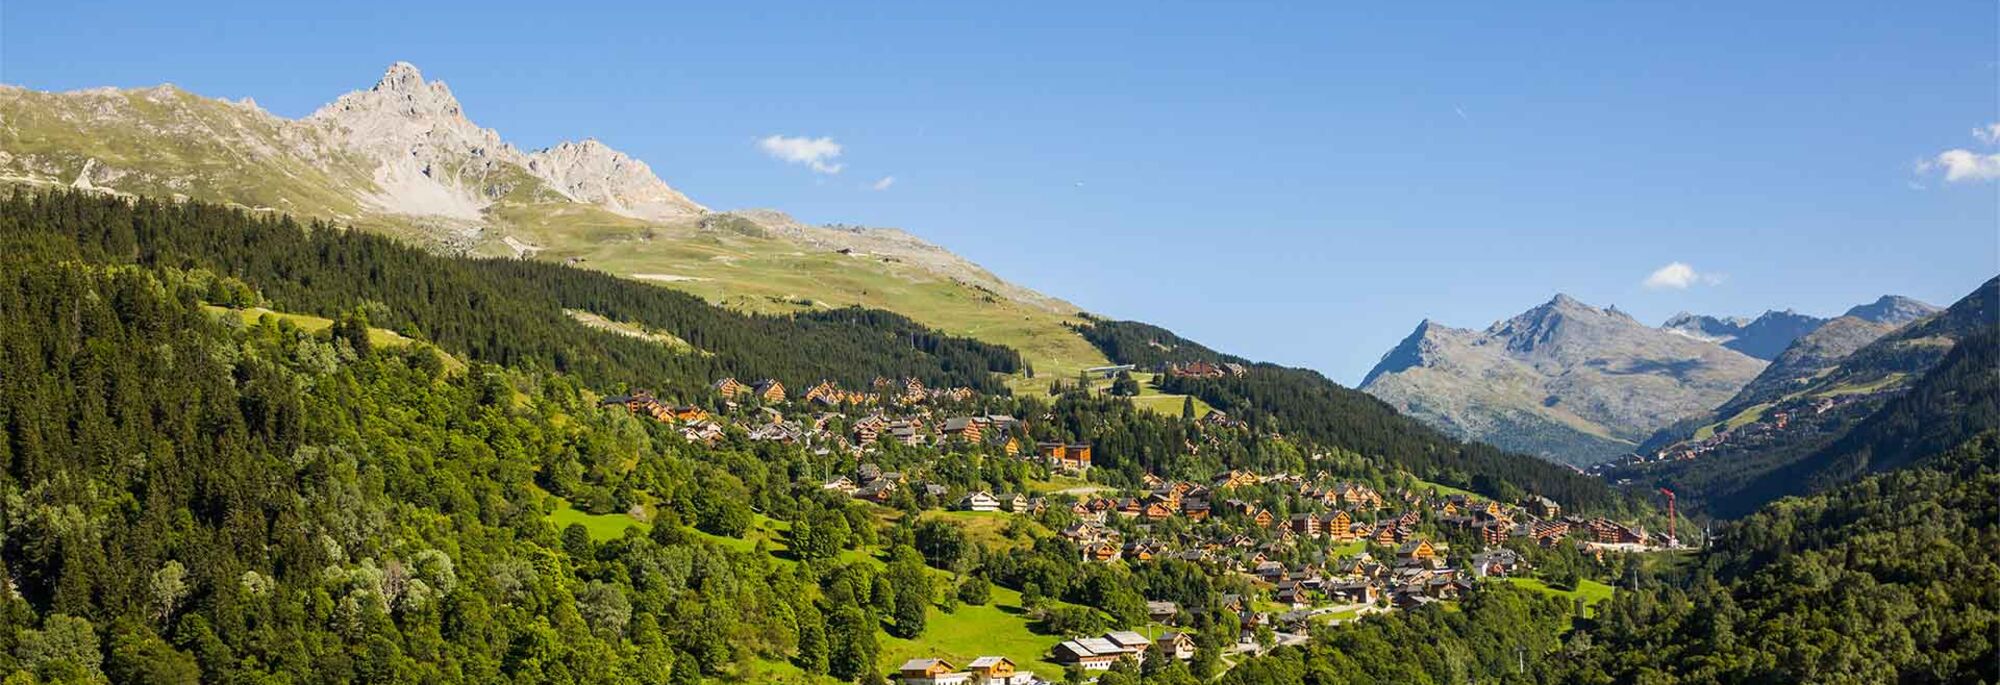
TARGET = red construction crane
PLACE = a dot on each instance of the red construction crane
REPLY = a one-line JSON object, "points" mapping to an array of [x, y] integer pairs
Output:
{"points": [[1670, 513]]}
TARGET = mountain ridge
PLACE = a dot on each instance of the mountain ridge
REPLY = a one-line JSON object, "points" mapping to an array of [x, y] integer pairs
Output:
{"points": [[1563, 380]]}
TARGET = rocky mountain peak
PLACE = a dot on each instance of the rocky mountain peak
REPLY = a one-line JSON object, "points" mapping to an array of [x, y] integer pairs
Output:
{"points": [[402, 77], [432, 160], [1416, 349], [1893, 309], [1564, 379]]}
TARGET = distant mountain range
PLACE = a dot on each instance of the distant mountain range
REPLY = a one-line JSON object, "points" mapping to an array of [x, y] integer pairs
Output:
{"points": [[1851, 397], [1582, 385], [1766, 336]]}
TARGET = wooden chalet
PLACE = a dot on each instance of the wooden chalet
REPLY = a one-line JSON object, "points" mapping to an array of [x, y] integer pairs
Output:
{"points": [[1417, 549], [998, 670], [978, 501], [1543, 507], [1175, 645], [1339, 526], [930, 672], [1305, 523], [769, 390], [1090, 653], [730, 388]]}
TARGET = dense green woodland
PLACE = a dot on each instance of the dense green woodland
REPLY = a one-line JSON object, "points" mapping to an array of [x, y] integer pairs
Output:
{"points": [[1303, 402], [188, 501], [502, 311]]}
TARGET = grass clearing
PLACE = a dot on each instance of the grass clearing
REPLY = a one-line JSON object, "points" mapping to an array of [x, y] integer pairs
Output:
{"points": [[1000, 628], [666, 339], [1444, 490], [1876, 385], [989, 527], [1590, 591], [602, 527], [380, 337]]}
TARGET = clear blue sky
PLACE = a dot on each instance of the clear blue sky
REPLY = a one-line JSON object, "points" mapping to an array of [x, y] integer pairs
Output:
{"points": [[1295, 184]]}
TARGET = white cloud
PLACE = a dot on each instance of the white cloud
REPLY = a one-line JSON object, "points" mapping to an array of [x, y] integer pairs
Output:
{"points": [[1966, 165], [883, 183], [1679, 276], [818, 153]]}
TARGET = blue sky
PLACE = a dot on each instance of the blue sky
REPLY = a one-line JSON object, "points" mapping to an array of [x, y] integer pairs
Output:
{"points": [[1298, 184]]}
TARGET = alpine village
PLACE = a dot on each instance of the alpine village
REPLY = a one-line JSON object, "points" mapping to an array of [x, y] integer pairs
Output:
{"points": [[271, 418]]}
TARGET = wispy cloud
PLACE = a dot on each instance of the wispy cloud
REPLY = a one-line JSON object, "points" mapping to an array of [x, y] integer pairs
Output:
{"points": [[1966, 165], [1988, 134], [819, 153], [882, 183], [1679, 276]]}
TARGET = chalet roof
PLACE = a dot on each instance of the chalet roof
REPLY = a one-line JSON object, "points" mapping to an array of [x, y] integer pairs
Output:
{"points": [[989, 662], [923, 664], [1098, 645], [1127, 638]]}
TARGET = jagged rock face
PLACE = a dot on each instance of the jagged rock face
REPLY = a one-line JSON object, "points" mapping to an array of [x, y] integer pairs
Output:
{"points": [[1763, 337], [1565, 380], [591, 172], [431, 160], [434, 161]]}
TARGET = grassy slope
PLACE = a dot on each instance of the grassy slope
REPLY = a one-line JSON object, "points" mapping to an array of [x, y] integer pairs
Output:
{"points": [[760, 274], [220, 145]]}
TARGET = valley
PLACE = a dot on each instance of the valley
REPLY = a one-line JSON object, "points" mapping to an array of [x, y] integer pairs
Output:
{"points": [[374, 395]]}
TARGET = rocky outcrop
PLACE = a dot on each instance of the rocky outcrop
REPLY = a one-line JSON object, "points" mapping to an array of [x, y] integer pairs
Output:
{"points": [[591, 172]]}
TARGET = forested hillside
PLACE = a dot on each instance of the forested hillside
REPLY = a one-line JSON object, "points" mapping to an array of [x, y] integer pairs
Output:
{"points": [[503, 311], [1891, 579], [188, 499], [1304, 402]]}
